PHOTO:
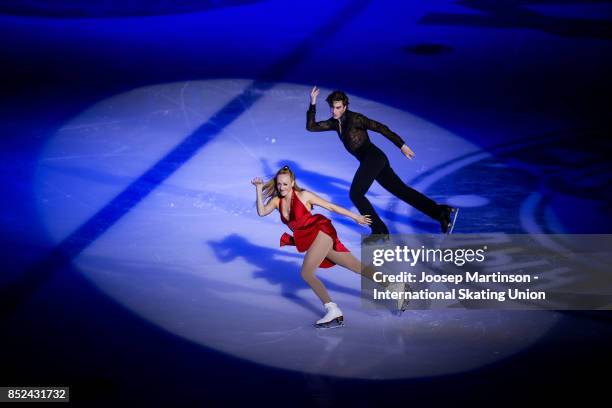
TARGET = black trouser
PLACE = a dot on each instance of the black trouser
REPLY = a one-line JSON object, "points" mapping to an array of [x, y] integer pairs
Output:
{"points": [[375, 166]]}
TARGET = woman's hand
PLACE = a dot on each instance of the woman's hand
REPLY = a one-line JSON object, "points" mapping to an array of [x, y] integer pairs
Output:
{"points": [[363, 220], [257, 182], [313, 95]]}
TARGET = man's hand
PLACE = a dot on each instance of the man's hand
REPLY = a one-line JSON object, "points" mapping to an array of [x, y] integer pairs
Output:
{"points": [[408, 152], [313, 95]]}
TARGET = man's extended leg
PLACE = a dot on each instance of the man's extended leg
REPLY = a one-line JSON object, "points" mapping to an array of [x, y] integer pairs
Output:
{"points": [[391, 182], [367, 172]]}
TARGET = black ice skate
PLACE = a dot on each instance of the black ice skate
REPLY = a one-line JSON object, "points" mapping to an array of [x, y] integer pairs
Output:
{"points": [[448, 218], [374, 238]]}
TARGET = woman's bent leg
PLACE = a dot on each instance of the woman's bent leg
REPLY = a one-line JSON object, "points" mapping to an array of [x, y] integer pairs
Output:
{"points": [[313, 258], [348, 260]]}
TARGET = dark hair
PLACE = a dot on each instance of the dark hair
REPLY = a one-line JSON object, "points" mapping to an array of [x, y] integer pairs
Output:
{"points": [[337, 96]]}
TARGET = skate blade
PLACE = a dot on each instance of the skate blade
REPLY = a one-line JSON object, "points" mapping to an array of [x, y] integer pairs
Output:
{"points": [[332, 324], [401, 309], [452, 226], [402, 303]]}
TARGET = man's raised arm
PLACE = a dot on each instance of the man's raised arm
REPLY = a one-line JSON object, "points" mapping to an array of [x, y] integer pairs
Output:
{"points": [[311, 124]]}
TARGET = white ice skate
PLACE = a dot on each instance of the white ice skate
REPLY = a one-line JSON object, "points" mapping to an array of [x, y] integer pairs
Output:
{"points": [[399, 288], [333, 318]]}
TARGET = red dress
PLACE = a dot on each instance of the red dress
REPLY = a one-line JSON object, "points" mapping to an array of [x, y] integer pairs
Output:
{"points": [[305, 227]]}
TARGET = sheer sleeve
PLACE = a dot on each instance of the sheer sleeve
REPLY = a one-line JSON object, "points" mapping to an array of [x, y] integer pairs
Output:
{"points": [[313, 126], [383, 130]]}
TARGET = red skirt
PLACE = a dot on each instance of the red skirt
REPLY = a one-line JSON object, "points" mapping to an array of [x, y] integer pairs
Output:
{"points": [[304, 236]]}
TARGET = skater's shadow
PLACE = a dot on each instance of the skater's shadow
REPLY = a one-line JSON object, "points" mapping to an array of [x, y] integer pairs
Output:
{"points": [[275, 271]]}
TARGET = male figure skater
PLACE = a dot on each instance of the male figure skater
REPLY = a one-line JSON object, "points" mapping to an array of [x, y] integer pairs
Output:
{"points": [[352, 129]]}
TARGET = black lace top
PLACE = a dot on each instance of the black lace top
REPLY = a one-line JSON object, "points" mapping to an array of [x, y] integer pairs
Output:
{"points": [[352, 129]]}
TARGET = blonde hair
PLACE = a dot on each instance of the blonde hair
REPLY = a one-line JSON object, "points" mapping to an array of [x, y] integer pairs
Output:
{"points": [[269, 188]]}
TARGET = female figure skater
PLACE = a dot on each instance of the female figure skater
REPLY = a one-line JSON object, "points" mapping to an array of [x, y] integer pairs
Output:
{"points": [[312, 233]]}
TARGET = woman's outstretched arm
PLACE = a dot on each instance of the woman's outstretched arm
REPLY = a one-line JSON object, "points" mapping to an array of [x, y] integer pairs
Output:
{"points": [[263, 210], [314, 199]]}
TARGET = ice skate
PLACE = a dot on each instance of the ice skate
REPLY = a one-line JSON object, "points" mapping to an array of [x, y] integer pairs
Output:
{"points": [[373, 239], [333, 318], [399, 288], [455, 214], [448, 219]]}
